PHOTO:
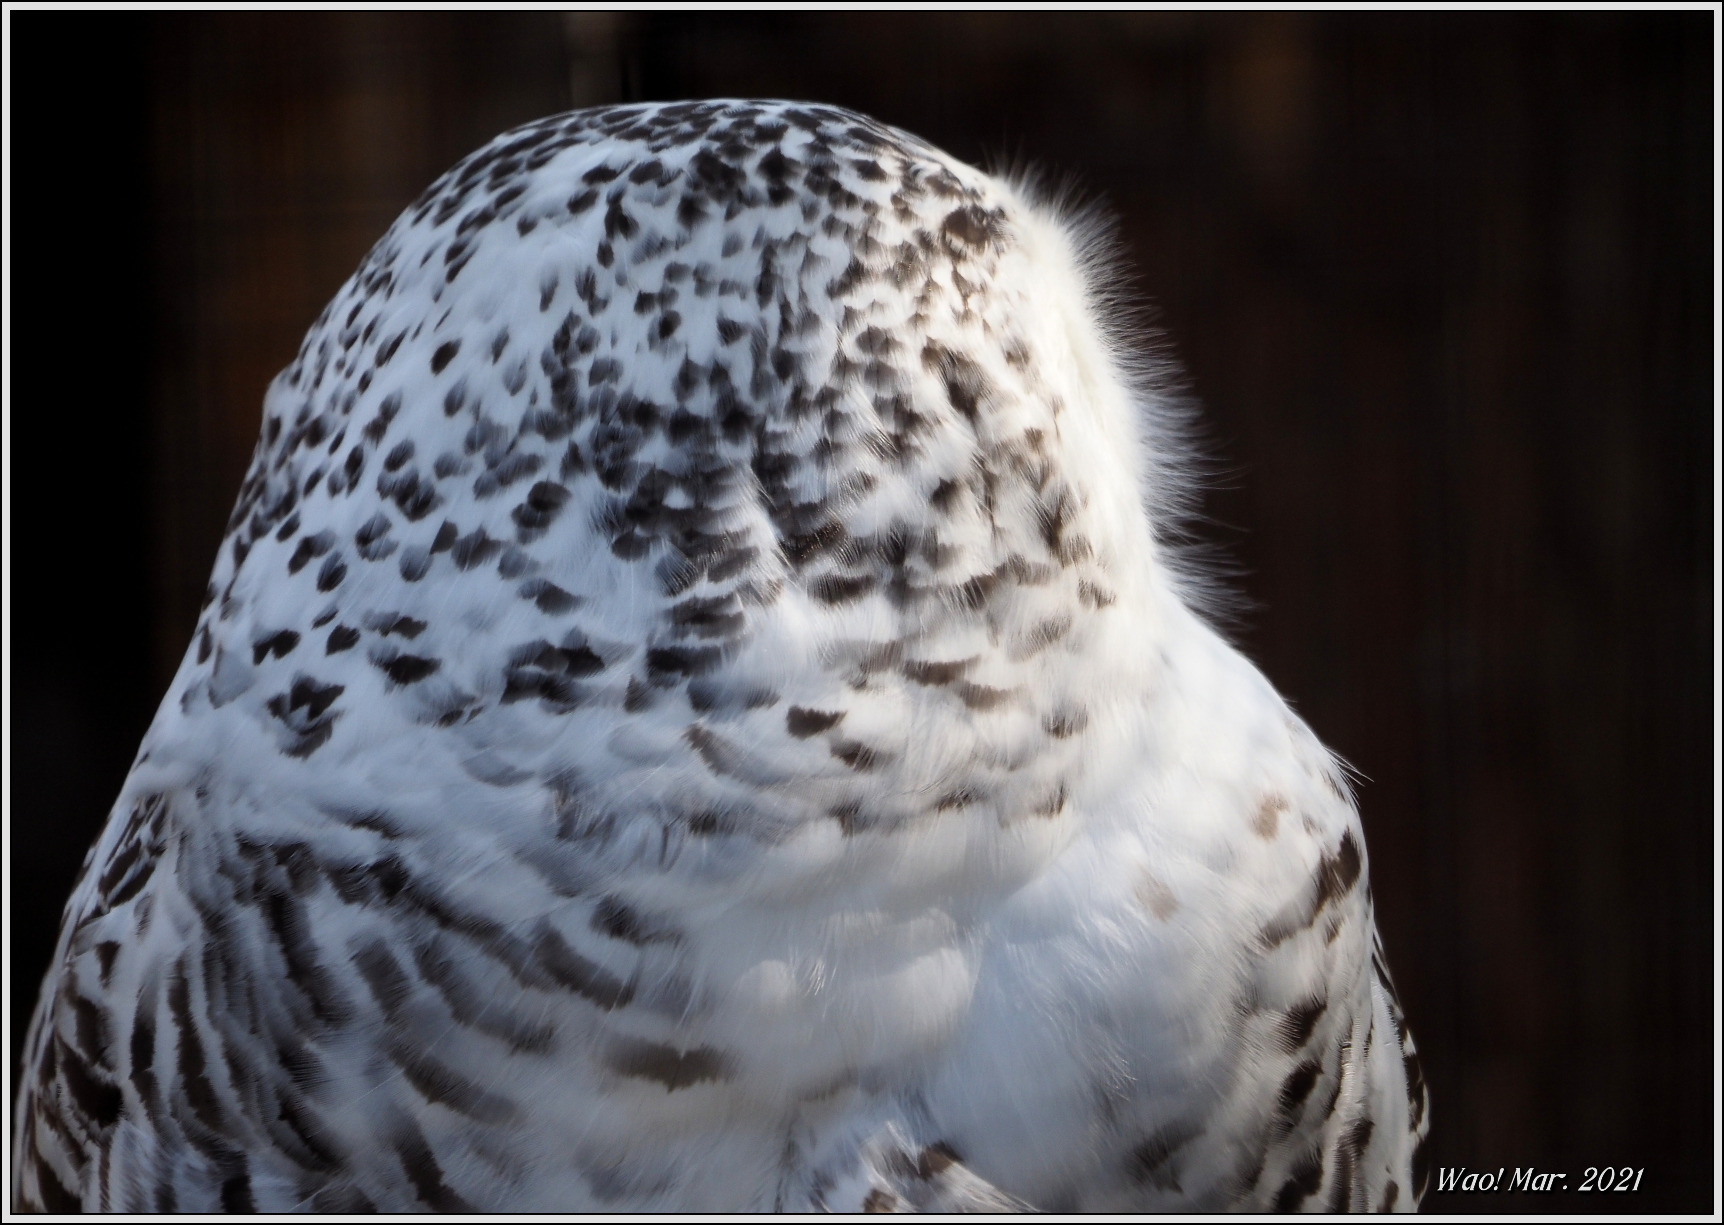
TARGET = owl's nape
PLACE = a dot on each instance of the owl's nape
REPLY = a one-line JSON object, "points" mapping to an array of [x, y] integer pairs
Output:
{"points": [[692, 713]]}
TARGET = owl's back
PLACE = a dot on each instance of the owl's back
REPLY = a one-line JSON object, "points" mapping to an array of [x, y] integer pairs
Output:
{"points": [[692, 711]]}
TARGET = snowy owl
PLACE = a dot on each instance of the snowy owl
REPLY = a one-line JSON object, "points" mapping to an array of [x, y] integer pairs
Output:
{"points": [[696, 710]]}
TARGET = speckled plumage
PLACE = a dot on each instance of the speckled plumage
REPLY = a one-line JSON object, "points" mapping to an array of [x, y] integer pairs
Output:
{"points": [[695, 710]]}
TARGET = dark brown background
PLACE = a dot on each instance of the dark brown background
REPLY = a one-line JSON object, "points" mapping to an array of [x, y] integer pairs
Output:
{"points": [[1442, 284]]}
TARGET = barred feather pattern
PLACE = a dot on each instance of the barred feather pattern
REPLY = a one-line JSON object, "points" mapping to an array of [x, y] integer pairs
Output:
{"points": [[696, 709]]}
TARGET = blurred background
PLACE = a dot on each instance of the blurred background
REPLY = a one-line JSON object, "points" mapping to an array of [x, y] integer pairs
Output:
{"points": [[1442, 284]]}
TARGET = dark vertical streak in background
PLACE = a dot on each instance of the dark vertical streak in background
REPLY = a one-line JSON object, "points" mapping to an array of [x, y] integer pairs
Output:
{"points": [[1440, 282], [84, 346]]}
